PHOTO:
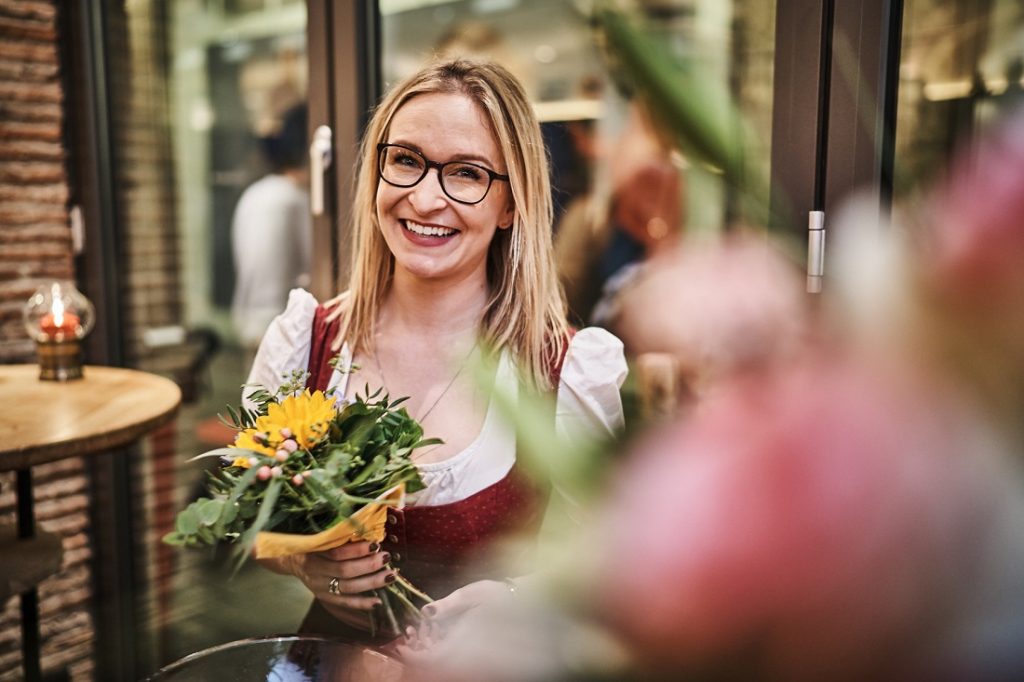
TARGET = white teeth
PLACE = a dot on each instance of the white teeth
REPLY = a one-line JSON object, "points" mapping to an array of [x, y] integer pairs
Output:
{"points": [[428, 230]]}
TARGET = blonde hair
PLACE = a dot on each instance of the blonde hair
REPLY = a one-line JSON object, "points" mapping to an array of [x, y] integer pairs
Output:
{"points": [[526, 310]]}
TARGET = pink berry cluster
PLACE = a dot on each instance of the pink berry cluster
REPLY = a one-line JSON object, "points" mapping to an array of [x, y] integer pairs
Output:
{"points": [[287, 446]]}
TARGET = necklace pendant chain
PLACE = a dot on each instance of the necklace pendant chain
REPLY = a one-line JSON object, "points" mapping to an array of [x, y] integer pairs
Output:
{"points": [[444, 391]]}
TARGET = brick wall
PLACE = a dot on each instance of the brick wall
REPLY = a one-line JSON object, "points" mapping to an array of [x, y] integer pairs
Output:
{"points": [[35, 245]]}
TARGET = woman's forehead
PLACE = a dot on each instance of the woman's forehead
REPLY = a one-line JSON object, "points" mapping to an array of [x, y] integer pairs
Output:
{"points": [[448, 123]]}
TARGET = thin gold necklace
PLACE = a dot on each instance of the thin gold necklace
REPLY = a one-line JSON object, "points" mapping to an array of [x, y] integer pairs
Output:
{"points": [[451, 382]]}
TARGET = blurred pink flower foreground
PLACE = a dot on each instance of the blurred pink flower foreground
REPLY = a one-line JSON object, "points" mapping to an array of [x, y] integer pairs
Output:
{"points": [[824, 523]]}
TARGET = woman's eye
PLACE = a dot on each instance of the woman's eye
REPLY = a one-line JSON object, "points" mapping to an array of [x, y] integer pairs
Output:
{"points": [[466, 173], [406, 160]]}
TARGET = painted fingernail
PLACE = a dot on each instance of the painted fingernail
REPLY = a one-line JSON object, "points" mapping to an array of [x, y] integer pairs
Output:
{"points": [[374, 546], [389, 578], [385, 557]]}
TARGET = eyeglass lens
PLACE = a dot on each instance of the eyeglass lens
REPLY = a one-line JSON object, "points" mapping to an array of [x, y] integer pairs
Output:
{"points": [[461, 181]]}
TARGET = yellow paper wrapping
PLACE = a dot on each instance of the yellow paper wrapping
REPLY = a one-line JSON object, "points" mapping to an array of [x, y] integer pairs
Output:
{"points": [[366, 524]]}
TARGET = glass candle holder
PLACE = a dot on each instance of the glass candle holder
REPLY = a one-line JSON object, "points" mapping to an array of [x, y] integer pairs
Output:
{"points": [[57, 317]]}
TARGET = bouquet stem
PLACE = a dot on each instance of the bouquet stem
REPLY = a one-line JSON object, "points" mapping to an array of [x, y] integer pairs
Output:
{"points": [[395, 595], [409, 587]]}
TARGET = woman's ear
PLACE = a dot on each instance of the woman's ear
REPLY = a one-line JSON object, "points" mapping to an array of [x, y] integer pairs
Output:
{"points": [[507, 216]]}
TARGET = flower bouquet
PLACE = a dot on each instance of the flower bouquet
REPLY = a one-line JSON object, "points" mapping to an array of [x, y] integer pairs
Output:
{"points": [[305, 476]]}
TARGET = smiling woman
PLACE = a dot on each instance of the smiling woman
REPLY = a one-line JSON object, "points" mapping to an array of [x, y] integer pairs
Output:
{"points": [[452, 256], [431, 233]]}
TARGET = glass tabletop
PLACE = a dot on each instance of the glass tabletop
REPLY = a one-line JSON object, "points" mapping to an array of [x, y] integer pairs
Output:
{"points": [[283, 659]]}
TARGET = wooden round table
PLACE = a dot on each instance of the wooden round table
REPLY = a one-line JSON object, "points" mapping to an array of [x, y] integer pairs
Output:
{"points": [[45, 421]]}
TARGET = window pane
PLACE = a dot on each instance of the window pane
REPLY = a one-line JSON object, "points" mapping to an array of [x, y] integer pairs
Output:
{"points": [[587, 123], [210, 101], [961, 65]]}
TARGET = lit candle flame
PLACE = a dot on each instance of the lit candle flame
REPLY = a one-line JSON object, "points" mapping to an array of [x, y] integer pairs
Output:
{"points": [[58, 309]]}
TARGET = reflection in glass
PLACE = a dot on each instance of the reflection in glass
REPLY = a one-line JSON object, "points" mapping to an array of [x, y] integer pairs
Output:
{"points": [[621, 193], [205, 103], [962, 63]]}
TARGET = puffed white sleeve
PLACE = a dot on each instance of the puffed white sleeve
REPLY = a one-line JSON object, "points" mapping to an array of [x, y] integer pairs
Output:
{"points": [[588, 405], [589, 402], [285, 345]]}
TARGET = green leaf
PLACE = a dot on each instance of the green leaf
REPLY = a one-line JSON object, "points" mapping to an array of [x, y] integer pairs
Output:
{"points": [[266, 509], [206, 535], [187, 522], [320, 484], [174, 538], [240, 486], [372, 468], [209, 511]]}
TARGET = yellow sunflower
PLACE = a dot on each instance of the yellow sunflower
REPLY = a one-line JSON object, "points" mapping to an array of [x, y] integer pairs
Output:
{"points": [[303, 417]]}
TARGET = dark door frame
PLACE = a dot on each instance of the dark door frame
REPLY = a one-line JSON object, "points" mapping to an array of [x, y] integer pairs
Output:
{"points": [[91, 173], [343, 58], [835, 95], [344, 84]]}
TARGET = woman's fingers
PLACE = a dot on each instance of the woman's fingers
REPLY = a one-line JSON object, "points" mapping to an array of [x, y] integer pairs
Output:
{"points": [[363, 583], [351, 550], [347, 568], [358, 602]]}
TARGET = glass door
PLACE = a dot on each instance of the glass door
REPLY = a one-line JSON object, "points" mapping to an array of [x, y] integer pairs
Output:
{"points": [[191, 134], [212, 166], [605, 153], [961, 67]]}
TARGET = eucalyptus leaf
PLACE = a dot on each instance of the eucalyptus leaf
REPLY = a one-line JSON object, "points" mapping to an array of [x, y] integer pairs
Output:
{"points": [[209, 511], [187, 522], [266, 508]]}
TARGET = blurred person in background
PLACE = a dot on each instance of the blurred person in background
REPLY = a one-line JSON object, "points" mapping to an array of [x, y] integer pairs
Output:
{"points": [[633, 211], [271, 232]]}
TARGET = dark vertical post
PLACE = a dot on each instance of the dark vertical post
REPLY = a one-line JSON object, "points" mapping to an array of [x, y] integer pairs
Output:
{"points": [[320, 101], [799, 110], [29, 598], [356, 87], [824, 90], [890, 99], [862, 100], [92, 172]]}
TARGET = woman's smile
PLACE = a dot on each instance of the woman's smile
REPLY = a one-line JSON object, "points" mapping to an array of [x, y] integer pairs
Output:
{"points": [[428, 234]]}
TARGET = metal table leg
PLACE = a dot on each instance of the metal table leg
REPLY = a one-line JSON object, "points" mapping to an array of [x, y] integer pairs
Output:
{"points": [[25, 512]]}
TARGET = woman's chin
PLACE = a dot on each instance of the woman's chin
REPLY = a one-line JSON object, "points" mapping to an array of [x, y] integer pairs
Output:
{"points": [[424, 268]]}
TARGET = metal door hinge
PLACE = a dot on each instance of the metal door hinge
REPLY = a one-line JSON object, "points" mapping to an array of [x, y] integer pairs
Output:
{"points": [[815, 251]]}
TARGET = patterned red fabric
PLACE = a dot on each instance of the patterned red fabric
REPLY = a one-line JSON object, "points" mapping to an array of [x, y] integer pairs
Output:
{"points": [[440, 548]]}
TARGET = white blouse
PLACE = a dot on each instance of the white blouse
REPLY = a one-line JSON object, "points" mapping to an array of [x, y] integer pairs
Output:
{"points": [[588, 399]]}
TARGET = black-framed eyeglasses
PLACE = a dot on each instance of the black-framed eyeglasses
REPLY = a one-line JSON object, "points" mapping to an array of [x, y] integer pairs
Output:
{"points": [[462, 181]]}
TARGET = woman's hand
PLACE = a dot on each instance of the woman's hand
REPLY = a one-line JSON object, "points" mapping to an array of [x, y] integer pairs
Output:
{"points": [[354, 569], [441, 615]]}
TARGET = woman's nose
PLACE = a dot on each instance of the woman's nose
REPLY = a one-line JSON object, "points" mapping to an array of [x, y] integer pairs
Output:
{"points": [[426, 196]]}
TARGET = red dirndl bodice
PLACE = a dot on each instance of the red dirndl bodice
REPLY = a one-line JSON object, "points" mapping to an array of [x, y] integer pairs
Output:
{"points": [[439, 548]]}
